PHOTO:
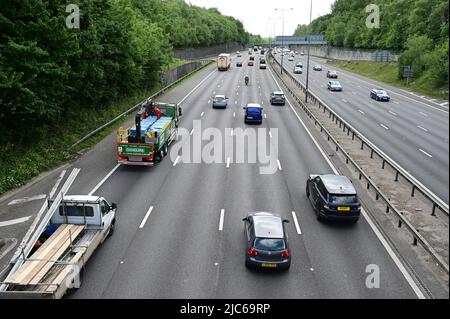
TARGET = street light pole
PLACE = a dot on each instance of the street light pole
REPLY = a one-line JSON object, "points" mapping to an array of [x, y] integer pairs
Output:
{"points": [[282, 37], [309, 51]]}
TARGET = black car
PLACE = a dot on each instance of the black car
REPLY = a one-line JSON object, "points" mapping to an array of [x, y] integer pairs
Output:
{"points": [[277, 98], [380, 95], [333, 197], [252, 58], [267, 241], [239, 64]]}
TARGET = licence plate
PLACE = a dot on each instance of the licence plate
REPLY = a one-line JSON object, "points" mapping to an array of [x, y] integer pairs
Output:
{"points": [[344, 209], [250, 117], [269, 265], [135, 158]]}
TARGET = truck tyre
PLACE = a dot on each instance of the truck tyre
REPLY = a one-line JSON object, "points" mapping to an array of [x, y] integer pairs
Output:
{"points": [[111, 228]]}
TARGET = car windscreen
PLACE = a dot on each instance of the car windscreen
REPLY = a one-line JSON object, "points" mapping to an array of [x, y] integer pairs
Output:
{"points": [[219, 99], [270, 244], [278, 95], [343, 199]]}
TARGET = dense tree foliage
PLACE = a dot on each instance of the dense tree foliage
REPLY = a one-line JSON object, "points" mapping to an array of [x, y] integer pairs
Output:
{"points": [[416, 28], [121, 45]]}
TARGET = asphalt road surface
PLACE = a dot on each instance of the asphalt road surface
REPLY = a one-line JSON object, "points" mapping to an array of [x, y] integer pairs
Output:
{"points": [[170, 240], [412, 131]]}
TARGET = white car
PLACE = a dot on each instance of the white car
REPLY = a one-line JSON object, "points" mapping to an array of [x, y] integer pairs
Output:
{"points": [[291, 58]]}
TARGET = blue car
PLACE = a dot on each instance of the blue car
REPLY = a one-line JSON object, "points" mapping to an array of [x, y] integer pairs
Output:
{"points": [[220, 101], [253, 113]]}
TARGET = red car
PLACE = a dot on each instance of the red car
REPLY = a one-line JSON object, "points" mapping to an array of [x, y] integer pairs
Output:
{"points": [[251, 63], [332, 75]]}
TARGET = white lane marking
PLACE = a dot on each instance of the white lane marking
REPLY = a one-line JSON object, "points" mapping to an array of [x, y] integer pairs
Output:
{"points": [[433, 100], [444, 104], [361, 112], [344, 100], [27, 199], [55, 187], [234, 114], [374, 228], [146, 217], [424, 114], [427, 154], [209, 101], [393, 113], [422, 128], [14, 221], [222, 215], [176, 161], [235, 102], [104, 180], [203, 113], [270, 134], [384, 126], [297, 226], [231, 134], [194, 89], [214, 93], [228, 162], [192, 132], [396, 102], [279, 165], [265, 115]]}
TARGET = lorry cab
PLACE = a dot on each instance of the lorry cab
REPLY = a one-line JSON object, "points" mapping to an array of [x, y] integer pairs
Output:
{"points": [[93, 211], [253, 113]]}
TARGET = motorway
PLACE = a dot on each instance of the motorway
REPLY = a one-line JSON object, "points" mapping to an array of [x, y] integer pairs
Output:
{"points": [[412, 131], [179, 231]]}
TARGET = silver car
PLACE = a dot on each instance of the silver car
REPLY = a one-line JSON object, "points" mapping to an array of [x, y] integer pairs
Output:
{"points": [[334, 86], [220, 101]]}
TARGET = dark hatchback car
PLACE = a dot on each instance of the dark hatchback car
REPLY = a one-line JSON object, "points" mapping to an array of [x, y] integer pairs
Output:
{"points": [[239, 64], [267, 241], [253, 113], [333, 197], [277, 98]]}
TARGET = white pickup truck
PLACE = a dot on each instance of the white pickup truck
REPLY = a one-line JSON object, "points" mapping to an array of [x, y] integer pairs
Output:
{"points": [[76, 228]]}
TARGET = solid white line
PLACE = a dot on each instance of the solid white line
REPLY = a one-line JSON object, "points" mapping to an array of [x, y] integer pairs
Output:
{"points": [[146, 217], [192, 132], [222, 213], [55, 187], [422, 128], [427, 154], [380, 237], [104, 180], [384, 126], [27, 199], [194, 89], [228, 162], [176, 161], [14, 221], [444, 104], [393, 113], [279, 165], [297, 227]]}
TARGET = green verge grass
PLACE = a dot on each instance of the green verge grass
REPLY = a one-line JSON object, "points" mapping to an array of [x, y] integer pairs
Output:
{"points": [[20, 163], [387, 72]]}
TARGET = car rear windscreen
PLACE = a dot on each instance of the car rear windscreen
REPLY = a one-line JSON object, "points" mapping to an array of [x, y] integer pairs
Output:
{"points": [[76, 211], [343, 199], [270, 244]]}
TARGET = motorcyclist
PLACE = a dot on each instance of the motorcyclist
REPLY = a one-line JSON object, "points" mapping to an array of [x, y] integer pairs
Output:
{"points": [[246, 79]]}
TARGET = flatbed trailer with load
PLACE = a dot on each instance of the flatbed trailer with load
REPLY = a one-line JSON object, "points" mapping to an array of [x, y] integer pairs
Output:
{"points": [[147, 142], [76, 229]]}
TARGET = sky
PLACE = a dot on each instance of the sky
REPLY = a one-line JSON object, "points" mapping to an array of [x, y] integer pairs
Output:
{"points": [[259, 16]]}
